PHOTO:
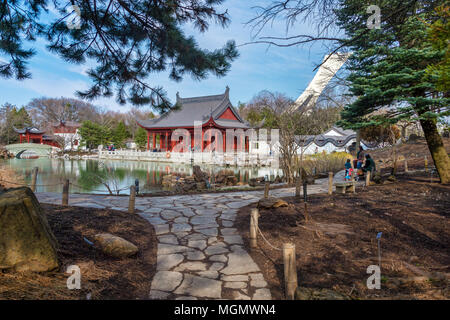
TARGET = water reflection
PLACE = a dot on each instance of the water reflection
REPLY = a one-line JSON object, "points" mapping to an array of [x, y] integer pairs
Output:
{"points": [[93, 176]]}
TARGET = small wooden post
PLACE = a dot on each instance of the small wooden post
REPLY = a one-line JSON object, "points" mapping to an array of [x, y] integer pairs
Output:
{"points": [[34, 178], [330, 183], [65, 193], [290, 270], [426, 163], [266, 190], [368, 178], [353, 182], [298, 185], [254, 215], [132, 199], [406, 165]]}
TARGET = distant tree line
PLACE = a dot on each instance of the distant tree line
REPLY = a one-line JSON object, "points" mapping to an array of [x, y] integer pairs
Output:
{"points": [[99, 125]]}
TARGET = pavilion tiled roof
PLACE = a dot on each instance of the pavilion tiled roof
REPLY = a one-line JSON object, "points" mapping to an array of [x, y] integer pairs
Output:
{"points": [[197, 109], [33, 130]]}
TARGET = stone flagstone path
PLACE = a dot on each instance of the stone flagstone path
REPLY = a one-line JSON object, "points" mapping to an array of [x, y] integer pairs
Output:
{"points": [[200, 254]]}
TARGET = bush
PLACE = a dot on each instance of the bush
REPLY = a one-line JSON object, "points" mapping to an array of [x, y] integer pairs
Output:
{"points": [[326, 162]]}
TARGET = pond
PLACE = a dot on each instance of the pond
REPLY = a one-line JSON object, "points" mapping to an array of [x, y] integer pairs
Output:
{"points": [[92, 175]]}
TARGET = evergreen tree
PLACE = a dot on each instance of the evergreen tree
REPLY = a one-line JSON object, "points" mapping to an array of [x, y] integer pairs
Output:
{"points": [[120, 134], [128, 40], [12, 118], [389, 71], [93, 134], [140, 138]]}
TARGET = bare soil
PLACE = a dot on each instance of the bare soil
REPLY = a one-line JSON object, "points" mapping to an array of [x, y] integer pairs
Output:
{"points": [[338, 243], [102, 277]]}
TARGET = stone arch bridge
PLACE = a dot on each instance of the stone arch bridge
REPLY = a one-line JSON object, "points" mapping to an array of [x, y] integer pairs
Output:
{"points": [[19, 148]]}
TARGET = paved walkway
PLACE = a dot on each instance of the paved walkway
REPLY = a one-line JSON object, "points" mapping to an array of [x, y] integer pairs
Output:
{"points": [[200, 254]]}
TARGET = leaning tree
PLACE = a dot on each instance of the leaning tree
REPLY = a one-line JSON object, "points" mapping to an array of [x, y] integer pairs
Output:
{"points": [[389, 69]]}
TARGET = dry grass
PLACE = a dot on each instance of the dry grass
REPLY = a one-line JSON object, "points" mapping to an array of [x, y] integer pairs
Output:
{"points": [[328, 162], [7, 176]]}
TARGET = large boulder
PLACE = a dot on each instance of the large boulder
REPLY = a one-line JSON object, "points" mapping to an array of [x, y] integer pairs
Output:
{"points": [[26, 240], [199, 175], [271, 203], [115, 246]]}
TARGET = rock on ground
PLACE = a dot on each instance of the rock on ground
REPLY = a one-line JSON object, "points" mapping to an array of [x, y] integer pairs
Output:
{"points": [[115, 246]]}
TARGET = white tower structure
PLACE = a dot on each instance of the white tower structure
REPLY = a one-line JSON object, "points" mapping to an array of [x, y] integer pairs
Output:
{"points": [[325, 73]]}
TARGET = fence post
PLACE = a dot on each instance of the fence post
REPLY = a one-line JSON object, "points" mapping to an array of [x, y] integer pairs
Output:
{"points": [[266, 190], [426, 163], [132, 199], [290, 270], [34, 178], [254, 215], [368, 178], [353, 182], [65, 193], [330, 183], [298, 185]]}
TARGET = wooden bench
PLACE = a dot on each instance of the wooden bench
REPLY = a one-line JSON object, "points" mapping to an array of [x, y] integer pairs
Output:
{"points": [[342, 187]]}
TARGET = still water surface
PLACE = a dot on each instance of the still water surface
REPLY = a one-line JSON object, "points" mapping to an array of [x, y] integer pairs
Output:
{"points": [[87, 176]]}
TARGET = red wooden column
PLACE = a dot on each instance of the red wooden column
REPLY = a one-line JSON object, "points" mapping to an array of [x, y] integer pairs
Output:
{"points": [[148, 140], [154, 140], [166, 142], [224, 148], [202, 139]]}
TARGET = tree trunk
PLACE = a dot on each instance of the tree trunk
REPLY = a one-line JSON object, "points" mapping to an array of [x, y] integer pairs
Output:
{"points": [[358, 142], [437, 149]]}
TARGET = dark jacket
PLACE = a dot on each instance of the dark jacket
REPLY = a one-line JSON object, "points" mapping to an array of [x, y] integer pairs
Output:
{"points": [[369, 165]]}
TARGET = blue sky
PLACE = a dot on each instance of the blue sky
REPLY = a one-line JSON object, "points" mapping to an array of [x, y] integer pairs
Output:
{"points": [[259, 67]]}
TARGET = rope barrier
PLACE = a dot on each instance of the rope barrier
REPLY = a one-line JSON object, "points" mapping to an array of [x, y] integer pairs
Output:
{"points": [[61, 183], [264, 238], [38, 185]]}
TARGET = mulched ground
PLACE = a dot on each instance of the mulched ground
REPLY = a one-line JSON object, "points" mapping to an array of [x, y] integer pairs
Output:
{"points": [[102, 277], [339, 242]]}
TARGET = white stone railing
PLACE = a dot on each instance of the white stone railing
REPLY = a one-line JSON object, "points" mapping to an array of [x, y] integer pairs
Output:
{"points": [[243, 159]]}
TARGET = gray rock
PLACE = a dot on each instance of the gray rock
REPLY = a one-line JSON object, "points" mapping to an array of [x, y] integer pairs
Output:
{"points": [[191, 266], [239, 262], [235, 285], [228, 231], [170, 239], [218, 258], [234, 278], [200, 287], [262, 294], [166, 280], [217, 266], [195, 255], [170, 214], [182, 227], [209, 274], [216, 249], [168, 261], [233, 239], [158, 295], [168, 249], [199, 244], [161, 228]]}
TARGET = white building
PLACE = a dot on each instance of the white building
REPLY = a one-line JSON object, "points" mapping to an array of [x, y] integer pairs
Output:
{"points": [[68, 131]]}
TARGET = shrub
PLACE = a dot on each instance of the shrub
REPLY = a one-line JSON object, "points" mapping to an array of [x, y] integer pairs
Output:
{"points": [[326, 162]]}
